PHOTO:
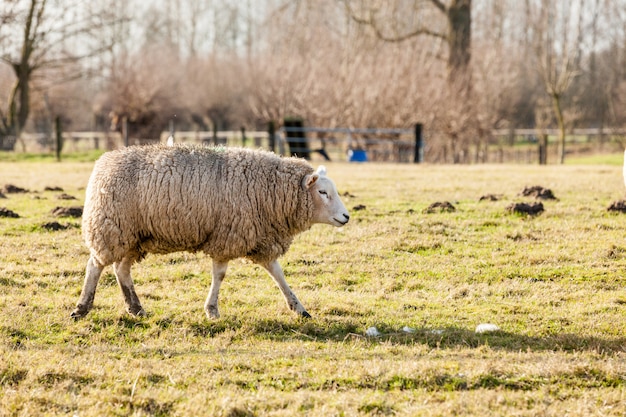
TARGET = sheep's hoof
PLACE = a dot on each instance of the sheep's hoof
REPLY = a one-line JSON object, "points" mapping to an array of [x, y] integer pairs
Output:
{"points": [[79, 312], [212, 313], [137, 311], [304, 314]]}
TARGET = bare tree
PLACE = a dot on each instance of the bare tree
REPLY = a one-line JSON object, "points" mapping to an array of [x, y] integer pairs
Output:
{"points": [[143, 92], [461, 67], [449, 22], [604, 81], [614, 63], [558, 51], [398, 20], [215, 92], [49, 42], [328, 69]]}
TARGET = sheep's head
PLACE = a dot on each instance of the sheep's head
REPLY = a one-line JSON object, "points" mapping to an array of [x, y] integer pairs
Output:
{"points": [[328, 207]]}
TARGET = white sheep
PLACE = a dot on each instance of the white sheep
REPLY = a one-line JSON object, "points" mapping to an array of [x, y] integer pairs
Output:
{"points": [[226, 202]]}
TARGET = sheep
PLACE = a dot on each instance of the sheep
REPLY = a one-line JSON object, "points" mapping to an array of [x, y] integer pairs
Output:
{"points": [[226, 202]]}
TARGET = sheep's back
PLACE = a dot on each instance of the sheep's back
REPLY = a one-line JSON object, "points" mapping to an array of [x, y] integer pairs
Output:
{"points": [[226, 202]]}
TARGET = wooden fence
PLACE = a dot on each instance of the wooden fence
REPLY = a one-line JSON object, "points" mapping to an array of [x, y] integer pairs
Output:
{"points": [[340, 144]]}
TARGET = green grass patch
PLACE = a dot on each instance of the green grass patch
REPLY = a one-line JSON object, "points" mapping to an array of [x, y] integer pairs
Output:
{"points": [[553, 283], [596, 159], [50, 157]]}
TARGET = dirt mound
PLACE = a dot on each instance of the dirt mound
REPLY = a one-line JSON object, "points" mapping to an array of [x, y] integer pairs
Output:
{"points": [[539, 192], [53, 226], [53, 189], [67, 211], [13, 189], [489, 197], [440, 207], [524, 208], [5, 212], [618, 206], [66, 197]]}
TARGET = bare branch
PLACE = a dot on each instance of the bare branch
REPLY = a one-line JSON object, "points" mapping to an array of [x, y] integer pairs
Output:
{"points": [[412, 34], [69, 59], [373, 23], [438, 4], [3, 119]]}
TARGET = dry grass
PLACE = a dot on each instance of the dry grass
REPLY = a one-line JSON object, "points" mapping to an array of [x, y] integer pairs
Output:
{"points": [[553, 283]]}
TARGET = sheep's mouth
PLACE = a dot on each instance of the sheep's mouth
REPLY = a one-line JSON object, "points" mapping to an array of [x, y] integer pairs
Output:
{"points": [[340, 222]]}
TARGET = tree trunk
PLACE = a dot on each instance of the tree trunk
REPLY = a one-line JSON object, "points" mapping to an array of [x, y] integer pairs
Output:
{"points": [[556, 102], [543, 149], [12, 110], [459, 15], [19, 99], [24, 109]]}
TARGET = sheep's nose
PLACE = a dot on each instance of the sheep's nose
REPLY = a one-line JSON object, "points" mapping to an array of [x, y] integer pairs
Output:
{"points": [[347, 216]]}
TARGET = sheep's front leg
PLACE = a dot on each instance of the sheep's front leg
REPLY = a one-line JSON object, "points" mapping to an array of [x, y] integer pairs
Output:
{"points": [[274, 269], [122, 273], [210, 306], [85, 301]]}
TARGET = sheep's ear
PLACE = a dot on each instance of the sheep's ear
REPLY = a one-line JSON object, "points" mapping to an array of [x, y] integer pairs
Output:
{"points": [[309, 180], [321, 170]]}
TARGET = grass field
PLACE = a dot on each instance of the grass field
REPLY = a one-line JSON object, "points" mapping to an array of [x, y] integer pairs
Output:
{"points": [[553, 283]]}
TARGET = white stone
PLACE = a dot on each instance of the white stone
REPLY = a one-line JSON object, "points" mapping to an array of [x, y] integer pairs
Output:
{"points": [[373, 332], [486, 328]]}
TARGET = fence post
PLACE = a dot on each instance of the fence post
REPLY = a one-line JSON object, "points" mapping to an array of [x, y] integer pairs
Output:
{"points": [[243, 136], [543, 149], [296, 138], [125, 130], [419, 145], [59, 136], [271, 132]]}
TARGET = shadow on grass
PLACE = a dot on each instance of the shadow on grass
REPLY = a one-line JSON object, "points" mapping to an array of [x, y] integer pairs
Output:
{"points": [[346, 329], [450, 337]]}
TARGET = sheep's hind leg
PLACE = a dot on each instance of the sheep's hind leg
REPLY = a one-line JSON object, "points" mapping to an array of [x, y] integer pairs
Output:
{"points": [[122, 273], [210, 306], [277, 274], [85, 301]]}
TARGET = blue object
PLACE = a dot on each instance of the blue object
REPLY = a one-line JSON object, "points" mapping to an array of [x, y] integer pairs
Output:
{"points": [[357, 155]]}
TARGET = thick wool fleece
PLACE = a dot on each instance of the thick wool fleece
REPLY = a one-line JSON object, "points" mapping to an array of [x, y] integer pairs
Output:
{"points": [[226, 202]]}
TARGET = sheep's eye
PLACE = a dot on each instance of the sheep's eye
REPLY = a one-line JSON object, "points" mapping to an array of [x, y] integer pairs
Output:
{"points": [[322, 192]]}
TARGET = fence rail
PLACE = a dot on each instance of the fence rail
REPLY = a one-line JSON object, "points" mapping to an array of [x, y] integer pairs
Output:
{"points": [[338, 144], [356, 144], [595, 131]]}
